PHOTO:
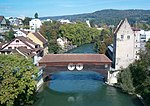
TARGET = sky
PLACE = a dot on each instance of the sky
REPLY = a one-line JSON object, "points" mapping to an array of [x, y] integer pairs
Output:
{"points": [[21, 8]]}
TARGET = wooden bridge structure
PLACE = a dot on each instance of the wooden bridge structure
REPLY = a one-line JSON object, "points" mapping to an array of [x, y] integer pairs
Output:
{"points": [[75, 62]]}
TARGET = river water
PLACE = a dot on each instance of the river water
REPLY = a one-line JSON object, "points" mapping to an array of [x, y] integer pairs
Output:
{"points": [[82, 89]]}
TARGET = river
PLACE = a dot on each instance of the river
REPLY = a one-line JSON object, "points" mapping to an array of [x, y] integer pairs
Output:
{"points": [[82, 89]]}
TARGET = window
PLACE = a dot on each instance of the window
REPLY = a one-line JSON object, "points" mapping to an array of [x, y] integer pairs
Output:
{"points": [[122, 36], [9, 47], [128, 37], [17, 40], [136, 52], [37, 46]]}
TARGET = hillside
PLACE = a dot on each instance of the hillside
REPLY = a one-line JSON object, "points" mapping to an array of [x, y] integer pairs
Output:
{"points": [[109, 16]]}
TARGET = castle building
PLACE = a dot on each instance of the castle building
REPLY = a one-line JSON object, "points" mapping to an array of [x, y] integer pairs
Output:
{"points": [[126, 45]]}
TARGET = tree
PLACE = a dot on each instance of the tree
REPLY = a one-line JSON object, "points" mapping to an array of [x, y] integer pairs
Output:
{"points": [[53, 46], [126, 81], [104, 39], [102, 48], [79, 33], [51, 32], [17, 84], [26, 21], [9, 35], [36, 15]]}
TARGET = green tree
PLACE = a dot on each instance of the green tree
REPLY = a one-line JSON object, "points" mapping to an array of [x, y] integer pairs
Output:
{"points": [[102, 48], [9, 35], [79, 33], [51, 32], [26, 21], [17, 84], [104, 39], [36, 15], [126, 81]]}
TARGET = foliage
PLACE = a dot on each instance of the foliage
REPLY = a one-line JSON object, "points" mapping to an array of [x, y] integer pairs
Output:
{"points": [[51, 32], [102, 48], [126, 81], [143, 26], [103, 40], [17, 85], [36, 15], [9, 35], [7, 23], [107, 16], [26, 21], [78, 33]]}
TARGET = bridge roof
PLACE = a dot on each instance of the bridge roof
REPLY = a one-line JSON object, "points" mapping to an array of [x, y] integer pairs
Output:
{"points": [[89, 58]]}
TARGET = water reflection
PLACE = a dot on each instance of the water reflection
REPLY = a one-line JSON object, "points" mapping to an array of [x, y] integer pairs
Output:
{"points": [[76, 82]]}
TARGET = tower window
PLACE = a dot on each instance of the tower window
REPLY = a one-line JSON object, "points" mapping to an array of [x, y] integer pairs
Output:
{"points": [[128, 37], [136, 52], [122, 36]]}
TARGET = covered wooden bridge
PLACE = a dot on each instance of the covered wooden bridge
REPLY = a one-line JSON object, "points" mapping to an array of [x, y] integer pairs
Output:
{"points": [[75, 62]]}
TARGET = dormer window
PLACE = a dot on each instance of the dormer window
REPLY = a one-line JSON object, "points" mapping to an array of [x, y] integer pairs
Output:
{"points": [[9, 47], [17, 41], [37, 46]]}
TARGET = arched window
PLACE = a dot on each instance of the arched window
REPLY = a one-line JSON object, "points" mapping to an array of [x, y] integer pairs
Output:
{"points": [[17, 41]]}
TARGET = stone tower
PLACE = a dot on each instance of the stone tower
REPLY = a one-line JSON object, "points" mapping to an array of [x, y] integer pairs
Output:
{"points": [[123, 45]]}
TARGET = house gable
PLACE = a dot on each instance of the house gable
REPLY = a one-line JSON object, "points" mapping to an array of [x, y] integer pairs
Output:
{"points": [[19, 41], [37, 38], [2, 21], [15, 44]]}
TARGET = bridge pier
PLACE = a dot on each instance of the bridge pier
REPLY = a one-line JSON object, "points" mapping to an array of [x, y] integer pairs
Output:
{"points": [[112, 77]]}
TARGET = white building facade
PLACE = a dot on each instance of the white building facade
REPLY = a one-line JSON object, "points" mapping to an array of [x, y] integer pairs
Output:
{"points": [[35, 24], [20, 33]]}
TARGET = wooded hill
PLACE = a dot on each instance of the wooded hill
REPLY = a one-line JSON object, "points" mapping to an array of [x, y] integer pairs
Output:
{"points": [[109, 16]]}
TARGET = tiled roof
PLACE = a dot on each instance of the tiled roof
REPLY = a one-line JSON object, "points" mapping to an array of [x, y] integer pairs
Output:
{"points": [[136, 29], [118, 26], [97, 58], [24, 39], [25, 51], [25, 32], [40, 37], [1, 18]]}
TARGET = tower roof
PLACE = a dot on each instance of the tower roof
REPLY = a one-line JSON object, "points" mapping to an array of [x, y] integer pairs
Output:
{"points": [[120, 24]]}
